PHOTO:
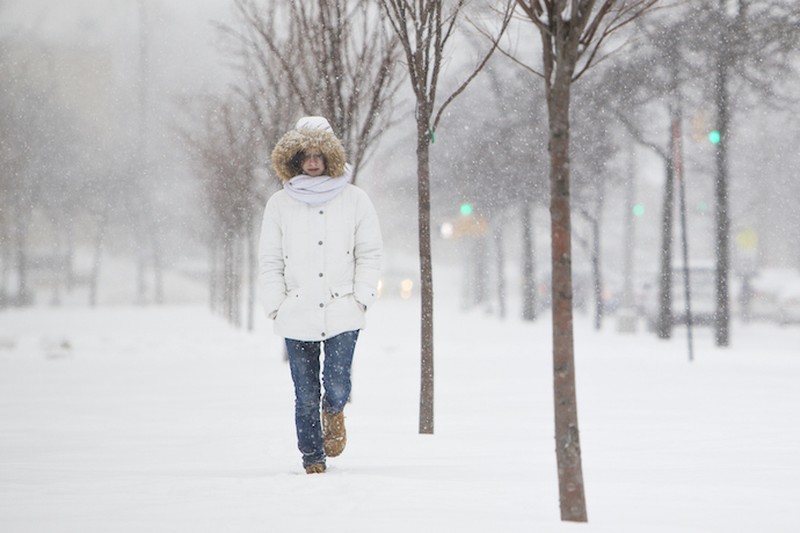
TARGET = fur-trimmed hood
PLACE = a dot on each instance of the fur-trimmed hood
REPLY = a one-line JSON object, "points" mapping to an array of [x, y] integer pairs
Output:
{"points": [[304, 139]]}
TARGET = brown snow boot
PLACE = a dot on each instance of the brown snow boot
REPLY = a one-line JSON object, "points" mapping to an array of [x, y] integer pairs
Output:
{"points": [[334, 435], [318, 468]]}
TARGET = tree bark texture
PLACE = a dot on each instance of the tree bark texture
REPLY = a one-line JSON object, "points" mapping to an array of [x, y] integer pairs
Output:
{"points": [[426, 278], [722, 315], [664, 325], [252, 270], [24, 297], [528, 271], [568, 449], [97, 260], [499, 257], [597, 275]]}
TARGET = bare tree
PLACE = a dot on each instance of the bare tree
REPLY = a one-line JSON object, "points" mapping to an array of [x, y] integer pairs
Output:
{"points": [[499, 103], [226, 151], [748, 46], [593, 170], [272, 102], [424, 29], [572, 34], [38, 147], [654, 78], [749, 43], [22, 105], [335, 58], [140, 202]]}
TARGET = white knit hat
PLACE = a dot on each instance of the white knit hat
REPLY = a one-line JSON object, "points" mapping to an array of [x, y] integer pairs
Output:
{"points": [[314, 123]]}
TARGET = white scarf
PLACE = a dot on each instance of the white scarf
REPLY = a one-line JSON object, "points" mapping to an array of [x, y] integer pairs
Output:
{"points": [[316, 190]]}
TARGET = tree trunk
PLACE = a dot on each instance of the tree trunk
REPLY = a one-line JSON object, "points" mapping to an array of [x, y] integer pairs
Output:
{"points": [[528, 272], [141, 261], [69, 257], [664, 324], [158, 264], [597, 276], [722, 315], [97, 261], [227, 279], [500, 266], [568, 450], [232, 284], [480, 279], [236, 271], [5, 261], [426, 276], [252, 272], [56, 265], [213, 274], [23, 295]]}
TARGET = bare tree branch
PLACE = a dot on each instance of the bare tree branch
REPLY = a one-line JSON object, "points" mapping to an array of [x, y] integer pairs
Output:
{"points": [[495, 43]]}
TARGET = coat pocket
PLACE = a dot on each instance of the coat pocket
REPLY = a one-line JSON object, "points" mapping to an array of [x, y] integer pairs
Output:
{"points": [[340, 291], [346, 292], [291, 299]]}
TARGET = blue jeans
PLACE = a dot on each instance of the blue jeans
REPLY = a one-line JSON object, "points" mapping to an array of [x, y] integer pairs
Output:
{"points": [[304, 362]]}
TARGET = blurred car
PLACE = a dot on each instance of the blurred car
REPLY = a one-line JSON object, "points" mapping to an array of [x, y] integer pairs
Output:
{"points": [[788, 302], [702, 297], [767, 292]]}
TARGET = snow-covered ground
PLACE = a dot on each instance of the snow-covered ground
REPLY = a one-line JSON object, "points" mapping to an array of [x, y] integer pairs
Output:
{"points": [[134, 419]]}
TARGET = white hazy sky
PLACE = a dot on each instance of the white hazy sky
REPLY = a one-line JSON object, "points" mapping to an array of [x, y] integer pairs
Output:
{"points": [[181, 35]]}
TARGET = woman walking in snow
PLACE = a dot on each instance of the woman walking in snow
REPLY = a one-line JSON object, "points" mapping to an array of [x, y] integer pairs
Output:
{"points": [[319, 262]]}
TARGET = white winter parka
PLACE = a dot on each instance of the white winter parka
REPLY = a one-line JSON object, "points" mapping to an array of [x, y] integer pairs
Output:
{"points": [[319, 266]]}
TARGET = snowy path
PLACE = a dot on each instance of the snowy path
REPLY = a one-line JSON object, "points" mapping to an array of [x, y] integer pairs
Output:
{"points": [[132, 419]]}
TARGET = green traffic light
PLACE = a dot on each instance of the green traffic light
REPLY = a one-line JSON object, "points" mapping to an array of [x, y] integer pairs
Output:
{"points": [[714, 137], [466, 209], [638, 210]]}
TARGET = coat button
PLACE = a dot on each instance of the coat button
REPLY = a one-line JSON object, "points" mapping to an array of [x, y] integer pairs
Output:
{"points": [[323, 333], [322, 305], [320, 274], [320, 243], [321, 212]]}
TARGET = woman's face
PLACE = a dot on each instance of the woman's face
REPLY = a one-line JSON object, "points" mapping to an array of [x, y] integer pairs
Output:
{"points": [[313, 163]]}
